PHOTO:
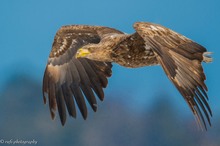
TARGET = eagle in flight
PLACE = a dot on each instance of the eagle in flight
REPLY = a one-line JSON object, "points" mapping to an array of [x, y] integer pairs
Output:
{"points": [[81, 60]]}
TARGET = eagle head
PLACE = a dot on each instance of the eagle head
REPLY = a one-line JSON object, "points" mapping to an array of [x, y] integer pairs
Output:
{"points": [[94, 52]]}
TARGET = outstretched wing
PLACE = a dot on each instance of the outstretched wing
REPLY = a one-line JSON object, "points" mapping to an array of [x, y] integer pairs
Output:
{"points": [[66, 77], [181, 60]]}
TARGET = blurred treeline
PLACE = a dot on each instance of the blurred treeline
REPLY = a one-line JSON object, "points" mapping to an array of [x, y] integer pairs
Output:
{"points": [[24, 116]]}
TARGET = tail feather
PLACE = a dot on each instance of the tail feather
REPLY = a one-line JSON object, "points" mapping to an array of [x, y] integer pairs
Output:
{"points": [[207, 57]]}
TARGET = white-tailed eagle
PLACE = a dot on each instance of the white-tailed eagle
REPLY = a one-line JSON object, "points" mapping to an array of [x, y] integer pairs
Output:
{"points": [[81, 60]]}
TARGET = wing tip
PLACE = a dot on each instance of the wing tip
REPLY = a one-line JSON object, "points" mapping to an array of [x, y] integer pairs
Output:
{"points": [[63, 121], [44, 98], [52, 114], [201, 121], [84, 115], [94, 107]]}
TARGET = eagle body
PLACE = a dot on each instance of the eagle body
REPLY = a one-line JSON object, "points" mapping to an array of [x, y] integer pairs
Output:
{"points": [[132, 52], [81, 60], [126, 50]]}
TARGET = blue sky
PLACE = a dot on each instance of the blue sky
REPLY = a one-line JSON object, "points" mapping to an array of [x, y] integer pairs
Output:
{"points": [[28, 28]]}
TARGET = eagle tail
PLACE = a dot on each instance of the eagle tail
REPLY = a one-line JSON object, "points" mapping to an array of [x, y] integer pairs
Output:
{"points": [[207, 57]]}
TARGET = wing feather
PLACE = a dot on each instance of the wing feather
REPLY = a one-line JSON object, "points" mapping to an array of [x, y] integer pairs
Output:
{"points": [[69, 100], [181, 60], [66, 77], [61, 104]]}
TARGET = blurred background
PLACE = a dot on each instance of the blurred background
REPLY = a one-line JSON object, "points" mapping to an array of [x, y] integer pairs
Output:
{"points": [[141, 106]]}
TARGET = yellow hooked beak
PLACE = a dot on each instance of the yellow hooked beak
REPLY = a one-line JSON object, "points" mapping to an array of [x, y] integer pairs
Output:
{"points": [[82, 53]]}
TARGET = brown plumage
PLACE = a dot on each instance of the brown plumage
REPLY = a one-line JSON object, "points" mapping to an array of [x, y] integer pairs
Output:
{"points": [[81, 56]]}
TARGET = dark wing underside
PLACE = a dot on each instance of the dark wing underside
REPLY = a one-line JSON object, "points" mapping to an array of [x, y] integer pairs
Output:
{"points": [[181, 60], [66, 77]]}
